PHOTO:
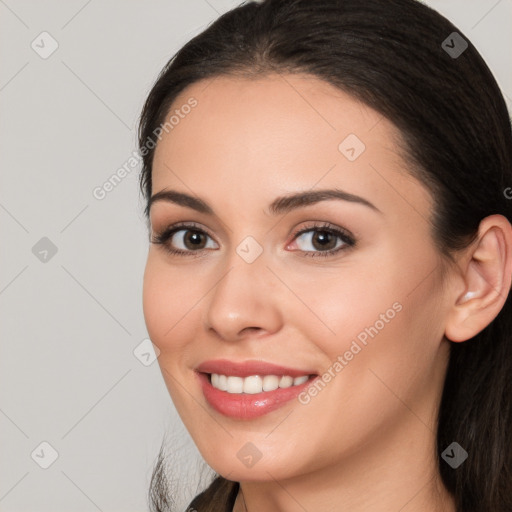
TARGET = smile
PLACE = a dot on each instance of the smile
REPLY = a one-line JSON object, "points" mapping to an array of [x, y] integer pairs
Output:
{"points": [[250, 389]]}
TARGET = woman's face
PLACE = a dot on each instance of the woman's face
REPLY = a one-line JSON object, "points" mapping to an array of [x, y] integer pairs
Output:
{"points": [[354, 302]]}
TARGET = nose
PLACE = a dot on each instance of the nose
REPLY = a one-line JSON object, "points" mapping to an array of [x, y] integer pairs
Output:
{"points": [[244, 302]]}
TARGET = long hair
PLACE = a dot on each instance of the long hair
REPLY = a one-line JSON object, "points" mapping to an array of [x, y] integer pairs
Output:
{"points": [[402, 59]]}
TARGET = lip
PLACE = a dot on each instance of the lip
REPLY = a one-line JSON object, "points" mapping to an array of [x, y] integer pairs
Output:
{"points": [[248, 406], [248, 368]]}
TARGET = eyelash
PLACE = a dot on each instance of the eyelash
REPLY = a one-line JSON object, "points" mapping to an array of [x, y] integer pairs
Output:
{"points": [[163, 237]]}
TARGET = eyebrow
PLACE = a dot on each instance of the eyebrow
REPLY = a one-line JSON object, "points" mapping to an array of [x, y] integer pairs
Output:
{"points": [[280, 205]]}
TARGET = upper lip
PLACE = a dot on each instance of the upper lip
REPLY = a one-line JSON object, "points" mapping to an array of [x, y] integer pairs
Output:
{"points": [[247, 368]]}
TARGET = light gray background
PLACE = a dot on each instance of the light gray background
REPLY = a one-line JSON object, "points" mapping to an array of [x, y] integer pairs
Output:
{"points": [[69, 325]]}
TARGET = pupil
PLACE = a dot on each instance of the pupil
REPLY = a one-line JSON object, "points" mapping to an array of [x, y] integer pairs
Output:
{"points": [[193, 238], [323, 237]]}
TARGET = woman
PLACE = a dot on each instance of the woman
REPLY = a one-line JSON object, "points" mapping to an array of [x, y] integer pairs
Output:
{"points": [[330, 262]]}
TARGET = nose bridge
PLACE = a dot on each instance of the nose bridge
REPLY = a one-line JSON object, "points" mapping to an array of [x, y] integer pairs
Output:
{"points": [[242, 297]]}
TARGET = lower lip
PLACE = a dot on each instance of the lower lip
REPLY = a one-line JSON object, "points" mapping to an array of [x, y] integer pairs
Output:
{"points": [[245, 406]]}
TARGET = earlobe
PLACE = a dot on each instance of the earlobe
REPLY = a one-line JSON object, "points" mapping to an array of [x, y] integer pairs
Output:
{"points": [[487, 276]]}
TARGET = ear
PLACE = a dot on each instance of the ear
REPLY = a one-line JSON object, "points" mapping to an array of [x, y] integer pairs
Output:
{"points": [[487, 275]]}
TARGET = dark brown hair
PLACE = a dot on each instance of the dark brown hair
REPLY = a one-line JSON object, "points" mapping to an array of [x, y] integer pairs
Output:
{"points": [[391, 55]]}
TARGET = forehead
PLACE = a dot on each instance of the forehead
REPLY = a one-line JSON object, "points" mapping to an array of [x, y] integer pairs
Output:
{"points": [[279, 110], [275, 133]]}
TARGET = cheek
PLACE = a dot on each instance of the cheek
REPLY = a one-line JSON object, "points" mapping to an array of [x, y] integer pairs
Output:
{"points": [[170, 316], [368, 293], [154, 298], [392, 349], [170, 304], [341, 303], [383, 312]]}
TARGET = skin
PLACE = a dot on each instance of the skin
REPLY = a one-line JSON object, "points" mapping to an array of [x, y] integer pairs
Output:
{"points": [[366, 442]]}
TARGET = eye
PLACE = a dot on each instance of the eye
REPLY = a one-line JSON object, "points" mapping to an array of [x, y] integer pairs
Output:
{"points": [[184, 238], [317, 240], [322, 240]]}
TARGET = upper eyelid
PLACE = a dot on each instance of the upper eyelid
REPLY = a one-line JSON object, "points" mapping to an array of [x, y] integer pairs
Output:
{"points": [[220, 227], [191, 225], [183, 225]]}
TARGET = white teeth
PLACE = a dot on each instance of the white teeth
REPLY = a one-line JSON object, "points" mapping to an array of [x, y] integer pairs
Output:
{"points": [[270, 382], [300, 380], [223, 382], [286, 381], [235, 384], [254, 383]]}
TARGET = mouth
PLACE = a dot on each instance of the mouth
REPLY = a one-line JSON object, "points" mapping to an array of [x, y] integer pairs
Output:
{"points": [[250, 389]]}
